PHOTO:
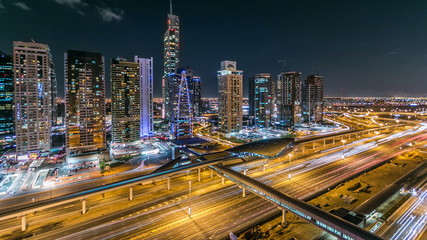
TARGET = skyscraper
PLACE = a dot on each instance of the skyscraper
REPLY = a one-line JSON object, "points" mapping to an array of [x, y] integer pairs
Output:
{"points": [[125, 101], [182, 114], [6, 97], [85, 101], [146, 84], [261, 99], [313, 99], [196, 95], [230, 85], [171, 61], [289, 99], [32, 63], [194, 86]]}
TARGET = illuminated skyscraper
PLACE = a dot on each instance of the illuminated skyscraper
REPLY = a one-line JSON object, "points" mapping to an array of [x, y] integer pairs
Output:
{"points": [[32, 63], [146, 85], [171, 61], [313, 99], [289, 99], [125, 101], [230, 84], [85, 101], [6, 97], [261, 99], [182, 114], [194, 86]]}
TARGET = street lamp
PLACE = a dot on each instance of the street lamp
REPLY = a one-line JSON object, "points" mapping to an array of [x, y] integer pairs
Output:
{"points": [[343, 141], [50, 184], [290, 160], [189, 198]]}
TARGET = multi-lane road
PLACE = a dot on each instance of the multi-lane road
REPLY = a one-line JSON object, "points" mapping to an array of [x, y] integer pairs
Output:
{"points": [[216, 210], [409, 220]]}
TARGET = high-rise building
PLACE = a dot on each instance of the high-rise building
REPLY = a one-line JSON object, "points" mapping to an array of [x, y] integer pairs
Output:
{"points": [[171, 61], [32, 63], [313, 99], [261, 99], [182, 113], [6, 97], [196, 95], [194, 87], [125, 101], [289, 99], [85, 101], [146, 84], [230, 84]]}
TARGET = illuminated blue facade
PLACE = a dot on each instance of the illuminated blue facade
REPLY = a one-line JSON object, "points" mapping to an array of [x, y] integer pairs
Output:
{"points": [[6, 98]]}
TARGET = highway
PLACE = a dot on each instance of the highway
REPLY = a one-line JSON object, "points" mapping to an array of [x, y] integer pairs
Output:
{"points": [[408, 221], [217, 210], [61, 189]]}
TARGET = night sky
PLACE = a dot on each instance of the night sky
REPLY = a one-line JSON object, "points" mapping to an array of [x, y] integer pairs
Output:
{"points": [[362, 48]]}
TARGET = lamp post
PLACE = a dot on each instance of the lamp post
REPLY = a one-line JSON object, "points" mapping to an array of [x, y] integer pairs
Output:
{"points": [[50, 184], [189, 198], [289, 170], [343, 141]]}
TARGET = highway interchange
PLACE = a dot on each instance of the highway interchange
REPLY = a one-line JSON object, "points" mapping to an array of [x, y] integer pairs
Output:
{"points": [[216, 209]]}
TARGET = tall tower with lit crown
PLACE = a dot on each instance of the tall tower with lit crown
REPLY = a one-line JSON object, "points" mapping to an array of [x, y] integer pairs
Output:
{"points": [[171, 61]]}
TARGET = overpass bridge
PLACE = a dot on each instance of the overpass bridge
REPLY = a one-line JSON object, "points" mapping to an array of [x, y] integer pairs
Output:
{"points": [[167, 173], [324, 220]]}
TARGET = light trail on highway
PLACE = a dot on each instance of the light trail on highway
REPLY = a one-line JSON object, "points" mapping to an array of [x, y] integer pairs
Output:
{"points": [[409, 220], [224, 206]]}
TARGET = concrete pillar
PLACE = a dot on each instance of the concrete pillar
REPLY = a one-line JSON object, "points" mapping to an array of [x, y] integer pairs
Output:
{"points": [[302, 146], [244, 192], [324, 142], [211, 173], [263, 168], [283, 216], [313, 145], [333, 141], [24, 223], [198, 174], [84, 206], [222, 180], [245, 171], [130, 193], [169, 183]]}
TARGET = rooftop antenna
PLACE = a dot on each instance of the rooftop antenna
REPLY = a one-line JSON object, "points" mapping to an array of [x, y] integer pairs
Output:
{"points": [[170, 3]]}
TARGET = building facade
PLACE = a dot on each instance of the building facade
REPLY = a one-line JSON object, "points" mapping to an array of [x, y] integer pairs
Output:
{"points": [[146, 84], [6, 98], [261, 92], [125, 101], [313, 99], [85, 101], [289, 97], [183, 110], [194, 86], [33, 81], [170, 63], [230, 85]]}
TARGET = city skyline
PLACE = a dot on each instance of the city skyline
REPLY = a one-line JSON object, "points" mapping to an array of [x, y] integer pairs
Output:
{"points": [[363, 54]]}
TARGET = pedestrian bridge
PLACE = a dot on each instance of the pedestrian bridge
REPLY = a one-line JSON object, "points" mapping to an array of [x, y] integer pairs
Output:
{"points": [[332, 224]]}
